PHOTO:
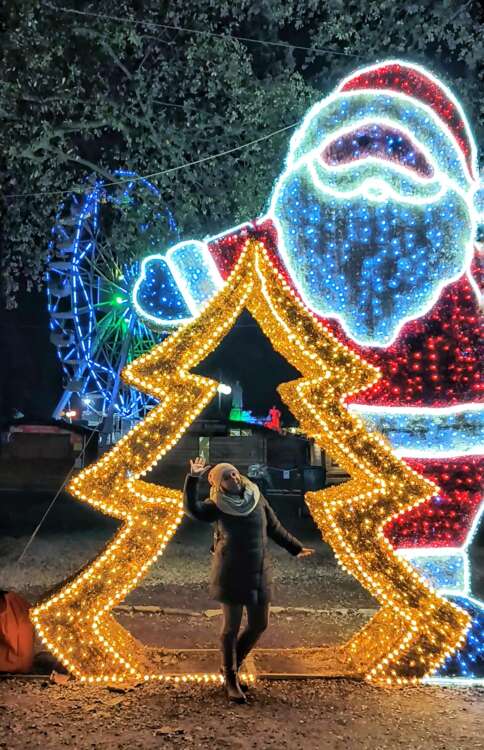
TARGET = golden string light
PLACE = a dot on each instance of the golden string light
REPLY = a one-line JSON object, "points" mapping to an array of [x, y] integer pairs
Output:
{"points": [[414, 630]]}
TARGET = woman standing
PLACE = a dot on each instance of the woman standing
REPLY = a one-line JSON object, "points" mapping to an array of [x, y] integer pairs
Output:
{"points": [[240, 574]]}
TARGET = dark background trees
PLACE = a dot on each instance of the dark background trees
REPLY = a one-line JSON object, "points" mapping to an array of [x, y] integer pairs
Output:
{"points": [[81, 94]]}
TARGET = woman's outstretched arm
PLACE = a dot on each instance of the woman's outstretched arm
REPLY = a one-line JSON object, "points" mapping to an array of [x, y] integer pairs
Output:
{"points": [[201, 510], [280, 535]]}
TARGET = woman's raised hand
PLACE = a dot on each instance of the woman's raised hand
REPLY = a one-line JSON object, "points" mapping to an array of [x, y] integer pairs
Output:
{"points": [[199, 466]]}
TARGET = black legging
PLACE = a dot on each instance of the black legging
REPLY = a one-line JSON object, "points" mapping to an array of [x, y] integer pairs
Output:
{"points": [[234, 650]]}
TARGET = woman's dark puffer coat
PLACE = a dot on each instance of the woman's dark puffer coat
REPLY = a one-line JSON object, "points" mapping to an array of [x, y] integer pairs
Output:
{"points": [[240, 571]]}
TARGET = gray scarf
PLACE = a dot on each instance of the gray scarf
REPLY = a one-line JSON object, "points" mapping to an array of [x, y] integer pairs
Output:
{"points": [[237, 505]]}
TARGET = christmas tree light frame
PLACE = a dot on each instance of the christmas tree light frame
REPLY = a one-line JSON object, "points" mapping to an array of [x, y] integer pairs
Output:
{"points": [[415, 629]]}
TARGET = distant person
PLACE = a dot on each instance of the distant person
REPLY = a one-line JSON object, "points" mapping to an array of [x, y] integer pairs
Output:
{"points": [[275, 419], [237, 396], [240, 574]]}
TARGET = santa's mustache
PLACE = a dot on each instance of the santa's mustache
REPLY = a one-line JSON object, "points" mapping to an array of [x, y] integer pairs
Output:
{"points": [[376, 178]]}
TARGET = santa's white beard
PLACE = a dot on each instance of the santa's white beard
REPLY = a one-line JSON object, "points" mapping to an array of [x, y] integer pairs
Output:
{"points": [[371, 264]]}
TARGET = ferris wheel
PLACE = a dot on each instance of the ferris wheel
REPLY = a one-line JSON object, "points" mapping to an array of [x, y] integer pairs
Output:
{"points": [[93, 326]]}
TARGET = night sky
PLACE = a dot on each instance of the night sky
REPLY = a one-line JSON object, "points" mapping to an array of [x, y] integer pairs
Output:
{"points": [[31, 375], [246, 354]]}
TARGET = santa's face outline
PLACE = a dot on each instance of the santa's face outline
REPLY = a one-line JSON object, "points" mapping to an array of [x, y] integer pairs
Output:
{"points": [[305, 170]]}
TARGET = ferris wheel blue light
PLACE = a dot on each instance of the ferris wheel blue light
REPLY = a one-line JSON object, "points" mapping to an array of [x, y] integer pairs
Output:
{"points": [[92, 321]]}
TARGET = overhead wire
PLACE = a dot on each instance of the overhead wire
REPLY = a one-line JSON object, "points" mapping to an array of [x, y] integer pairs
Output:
{"points": [[173, 27], [54, 499], [210, 157], [226, 152]]}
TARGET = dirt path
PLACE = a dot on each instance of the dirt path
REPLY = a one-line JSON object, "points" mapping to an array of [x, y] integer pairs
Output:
{"points": [[288, 628], [179, 576], [334, 715], [298, 715]]}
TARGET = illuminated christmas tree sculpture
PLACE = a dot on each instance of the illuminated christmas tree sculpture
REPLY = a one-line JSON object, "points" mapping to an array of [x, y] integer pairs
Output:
{"points": [[415, 629], [373, 223]]}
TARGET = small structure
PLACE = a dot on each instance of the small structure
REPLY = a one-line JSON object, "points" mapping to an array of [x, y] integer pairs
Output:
{"points": [[237, 396], [282, 464], [37, 456]]}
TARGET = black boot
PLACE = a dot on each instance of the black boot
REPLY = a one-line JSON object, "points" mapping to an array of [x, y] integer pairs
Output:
{"points": [[242, 651], [242, 684], [232, 686]]}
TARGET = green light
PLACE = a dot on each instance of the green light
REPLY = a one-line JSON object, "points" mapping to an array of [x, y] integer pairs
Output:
{"points": [[119, 300]]}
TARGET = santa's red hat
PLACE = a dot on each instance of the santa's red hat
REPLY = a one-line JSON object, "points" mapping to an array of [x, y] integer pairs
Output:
{"points": [[410, 79]]}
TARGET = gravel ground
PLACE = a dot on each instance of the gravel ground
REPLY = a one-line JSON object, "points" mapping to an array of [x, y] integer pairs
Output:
{"points": [[179, 577], [303, 714], [289, 628], [334, 715]]}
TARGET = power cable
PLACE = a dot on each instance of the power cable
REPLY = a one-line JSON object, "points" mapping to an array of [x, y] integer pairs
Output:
{"points": [[82, 188], [172, 27], [52, 502]]}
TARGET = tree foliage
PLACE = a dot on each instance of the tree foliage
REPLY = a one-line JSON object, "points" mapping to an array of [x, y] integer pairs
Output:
{"points": [[82, 95]]}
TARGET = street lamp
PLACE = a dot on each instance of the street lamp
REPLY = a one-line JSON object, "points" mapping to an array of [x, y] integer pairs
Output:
{"points": [[223, 390]]}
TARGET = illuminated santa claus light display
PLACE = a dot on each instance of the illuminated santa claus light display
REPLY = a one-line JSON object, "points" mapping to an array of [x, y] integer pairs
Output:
{"points": [[373, 222]]}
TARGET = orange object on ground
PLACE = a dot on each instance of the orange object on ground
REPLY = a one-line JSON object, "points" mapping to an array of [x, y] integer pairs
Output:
{"points": [[16, 634]]}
